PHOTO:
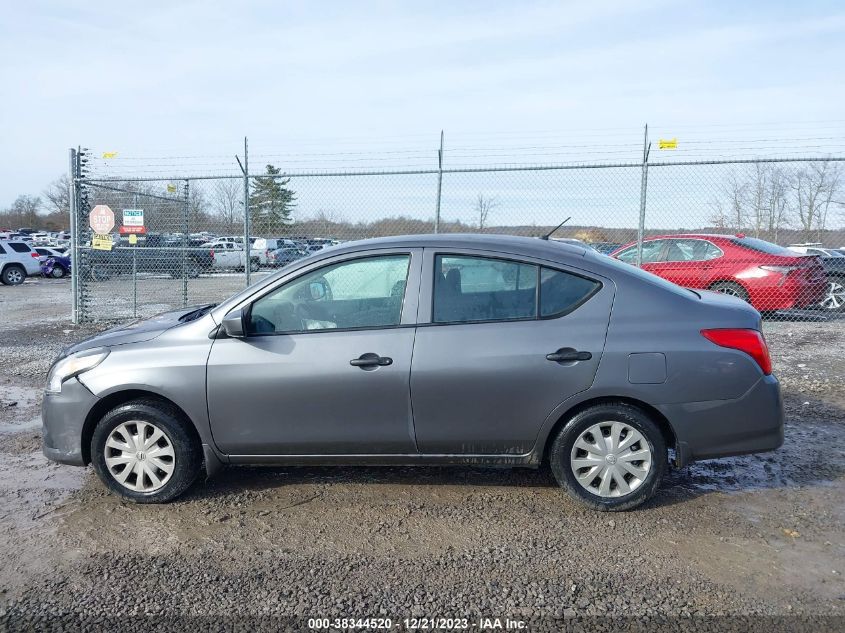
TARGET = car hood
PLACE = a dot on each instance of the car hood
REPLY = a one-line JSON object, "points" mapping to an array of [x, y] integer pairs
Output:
{"points": [[135, 332]]}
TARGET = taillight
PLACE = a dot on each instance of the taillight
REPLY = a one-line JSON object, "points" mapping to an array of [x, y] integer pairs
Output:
{"points": [[34, 254], [783, 270], [212, 254], [749, 341]]}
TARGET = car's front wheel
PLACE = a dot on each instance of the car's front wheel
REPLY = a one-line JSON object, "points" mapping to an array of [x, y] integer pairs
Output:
{"points": [[610, 457], [144, 451]]}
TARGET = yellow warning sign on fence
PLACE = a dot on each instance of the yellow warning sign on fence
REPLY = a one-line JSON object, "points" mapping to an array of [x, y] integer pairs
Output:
{"points": [[102, 242], [668, 143], [171, 188], [109, 154]]}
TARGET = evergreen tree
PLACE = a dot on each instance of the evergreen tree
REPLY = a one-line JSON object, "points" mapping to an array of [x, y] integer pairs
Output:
{"points": [[270, 202]]}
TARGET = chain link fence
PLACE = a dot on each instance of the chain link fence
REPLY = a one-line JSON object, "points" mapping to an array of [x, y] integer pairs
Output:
{"points": [[769, 231]]}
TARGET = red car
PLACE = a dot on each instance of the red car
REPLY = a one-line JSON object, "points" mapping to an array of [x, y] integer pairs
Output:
{"points": [[768, 276]]}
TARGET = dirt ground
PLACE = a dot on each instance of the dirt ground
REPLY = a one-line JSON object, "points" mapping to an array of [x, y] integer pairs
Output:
{"points": [[762, 535]]}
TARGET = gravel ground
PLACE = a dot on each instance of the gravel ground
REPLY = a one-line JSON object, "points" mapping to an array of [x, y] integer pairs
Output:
{"points": [[757, 538]]}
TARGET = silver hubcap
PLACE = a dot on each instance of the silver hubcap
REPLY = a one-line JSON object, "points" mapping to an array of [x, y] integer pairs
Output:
{"points": [[835, 298], [14, 276], [611, 459], [140, 456]]}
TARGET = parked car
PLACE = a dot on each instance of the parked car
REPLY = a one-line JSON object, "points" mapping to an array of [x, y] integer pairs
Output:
{"points": [[768, 276], [284, 256], [833, 262], [45, 251], [437, 349], [157, 254], [231, 256], [266, 245], [17, 260], [605, 248], [56, 266]]}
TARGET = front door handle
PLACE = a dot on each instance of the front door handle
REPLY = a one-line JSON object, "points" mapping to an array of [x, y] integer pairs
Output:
{"points": [[568, 355], [371, 360]]}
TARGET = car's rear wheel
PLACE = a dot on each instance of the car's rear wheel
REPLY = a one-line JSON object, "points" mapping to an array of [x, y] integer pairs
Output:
{"points": [[144, 451], [610, 457], [834, 299], [13, 275], [731, 288]]}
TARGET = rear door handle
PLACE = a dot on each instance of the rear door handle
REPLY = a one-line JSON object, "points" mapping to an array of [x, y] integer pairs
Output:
{"points": [[371, 360], [568, 355]]}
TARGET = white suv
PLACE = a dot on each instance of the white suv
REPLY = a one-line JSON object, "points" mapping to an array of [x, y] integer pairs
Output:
{"points": [[17, 260]]}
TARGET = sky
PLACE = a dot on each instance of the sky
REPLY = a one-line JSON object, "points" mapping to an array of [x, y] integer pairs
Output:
{"points": [[371, 84]]}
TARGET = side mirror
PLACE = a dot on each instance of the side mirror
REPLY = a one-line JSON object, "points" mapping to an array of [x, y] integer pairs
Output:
{"points": [[233, 324]]}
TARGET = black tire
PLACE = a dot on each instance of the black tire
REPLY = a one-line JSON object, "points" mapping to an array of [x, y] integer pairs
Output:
{"points": [[58, 272], [731, 288], [13, 275], [187, 459], [562, 448], [254, 265]]}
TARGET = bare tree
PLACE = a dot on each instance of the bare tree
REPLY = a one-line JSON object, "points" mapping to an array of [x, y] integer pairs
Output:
{"points": [[483, 207], [814, 189], [776, 202], [226, 201]]}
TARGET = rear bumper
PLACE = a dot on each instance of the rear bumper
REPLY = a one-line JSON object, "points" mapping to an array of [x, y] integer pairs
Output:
{"points": [[792, 294], [63, 418], [752, 423]]}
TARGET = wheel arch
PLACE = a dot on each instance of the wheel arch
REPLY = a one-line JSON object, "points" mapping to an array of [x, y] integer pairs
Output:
{"points": [[112, 400], [669, 435]]}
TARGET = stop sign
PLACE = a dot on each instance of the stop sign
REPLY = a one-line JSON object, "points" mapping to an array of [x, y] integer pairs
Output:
{"points": [[101, 219]]}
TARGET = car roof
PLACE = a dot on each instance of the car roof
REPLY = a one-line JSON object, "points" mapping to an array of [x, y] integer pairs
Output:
{"points": [[483, 241]]}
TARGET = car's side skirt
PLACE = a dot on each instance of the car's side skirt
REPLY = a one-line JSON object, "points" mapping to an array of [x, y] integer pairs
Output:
{"points": [[527, 459]]}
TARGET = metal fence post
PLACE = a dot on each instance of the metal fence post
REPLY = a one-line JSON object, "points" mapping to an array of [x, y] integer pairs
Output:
{"points": [[135, 270], [439, 184], [74, 236], [247, 245], [185, 244], [643, 191]]}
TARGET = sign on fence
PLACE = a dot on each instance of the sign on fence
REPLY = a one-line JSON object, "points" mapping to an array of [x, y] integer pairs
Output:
{"points": [[101, 219], [133, 217], [102, 242]]}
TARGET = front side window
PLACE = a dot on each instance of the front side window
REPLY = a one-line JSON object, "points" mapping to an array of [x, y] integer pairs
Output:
{"points": [[361, 293], [691, 251], [651, 253]]}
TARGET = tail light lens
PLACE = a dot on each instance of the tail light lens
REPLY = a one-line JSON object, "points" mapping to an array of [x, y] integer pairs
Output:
{"points": [[34, 254], [749, 341], [783, 270]]}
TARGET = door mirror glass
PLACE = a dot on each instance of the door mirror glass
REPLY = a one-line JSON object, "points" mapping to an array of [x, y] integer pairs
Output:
{"points": [[233, 324]]}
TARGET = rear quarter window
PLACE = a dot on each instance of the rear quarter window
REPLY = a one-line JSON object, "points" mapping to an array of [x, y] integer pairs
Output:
{"points": [[20, 247], [562, 292]]}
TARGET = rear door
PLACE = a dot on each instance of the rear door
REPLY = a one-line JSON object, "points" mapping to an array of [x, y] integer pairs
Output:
{"points": [[488, 367]]}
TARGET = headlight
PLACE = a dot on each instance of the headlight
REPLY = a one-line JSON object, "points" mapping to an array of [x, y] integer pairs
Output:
{"points": [[73, 366]]}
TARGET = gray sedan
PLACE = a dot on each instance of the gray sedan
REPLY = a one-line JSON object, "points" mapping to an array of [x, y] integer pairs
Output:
{"points": [[459, 349]]}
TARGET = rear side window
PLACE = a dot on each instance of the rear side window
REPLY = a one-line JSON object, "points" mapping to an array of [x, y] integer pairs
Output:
{"points": [[2, 251], [20, 247], [562, 292], [478, 289], [472, 289]]}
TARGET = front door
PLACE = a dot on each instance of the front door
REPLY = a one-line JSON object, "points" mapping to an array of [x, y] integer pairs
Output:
{"points": [[500, 353], [324, 368]]}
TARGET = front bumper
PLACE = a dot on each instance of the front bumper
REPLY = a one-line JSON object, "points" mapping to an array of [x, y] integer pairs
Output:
{"points": [[752, 423], [63, 418]]}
